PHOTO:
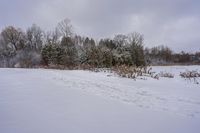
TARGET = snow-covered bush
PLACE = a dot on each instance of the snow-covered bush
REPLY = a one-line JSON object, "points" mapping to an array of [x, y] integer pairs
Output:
{"points": [[166, 75], [191, 75]]}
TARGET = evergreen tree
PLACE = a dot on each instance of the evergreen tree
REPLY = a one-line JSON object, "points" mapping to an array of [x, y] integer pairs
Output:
{"points": [[69, 47]]}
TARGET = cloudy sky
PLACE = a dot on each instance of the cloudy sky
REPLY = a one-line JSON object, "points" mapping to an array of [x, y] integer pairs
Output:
{"points": [[175, 23]]}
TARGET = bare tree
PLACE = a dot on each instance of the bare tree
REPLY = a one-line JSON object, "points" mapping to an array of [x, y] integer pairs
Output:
{"points": [[52, 37], [120, 40], [13, 37], [136, 38], [65, 28], [136, 42], [35, 37]]}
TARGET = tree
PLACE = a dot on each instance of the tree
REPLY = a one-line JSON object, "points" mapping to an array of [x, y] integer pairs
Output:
{"points": [[52, 37], [106, 57], [6, 53], [53, 54], [13, 37], [47, 55], [65, 28], [160, 55], [136, 49], [87, 48], [120, 40], [94, 57], [71, 52], [35, 37], [108, 43]]}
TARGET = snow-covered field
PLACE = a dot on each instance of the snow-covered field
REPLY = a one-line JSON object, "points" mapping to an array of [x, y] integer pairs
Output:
{"points": [[56, 101]]}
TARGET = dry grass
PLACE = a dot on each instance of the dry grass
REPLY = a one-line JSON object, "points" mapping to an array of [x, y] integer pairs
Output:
{"points": [[134, 72]]}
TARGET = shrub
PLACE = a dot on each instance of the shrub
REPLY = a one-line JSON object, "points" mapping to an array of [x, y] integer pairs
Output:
{"points": [[191, 75]]}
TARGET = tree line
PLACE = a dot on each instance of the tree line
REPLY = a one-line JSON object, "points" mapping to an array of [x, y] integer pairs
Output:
{"points": [[63, 48], [162, 55]]}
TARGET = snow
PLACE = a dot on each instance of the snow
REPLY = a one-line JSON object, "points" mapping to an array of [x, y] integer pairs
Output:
{"points": [[49, 101]]}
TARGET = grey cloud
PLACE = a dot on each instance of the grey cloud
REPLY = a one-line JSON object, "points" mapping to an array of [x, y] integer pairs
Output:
{"points": [[170, 22]]}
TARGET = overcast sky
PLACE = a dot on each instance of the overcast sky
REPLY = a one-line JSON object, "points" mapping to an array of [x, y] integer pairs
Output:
{"points": [[175, 23]]}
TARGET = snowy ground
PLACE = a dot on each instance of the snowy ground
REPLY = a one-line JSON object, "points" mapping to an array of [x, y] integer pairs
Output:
{"points": [[49, 101]]}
